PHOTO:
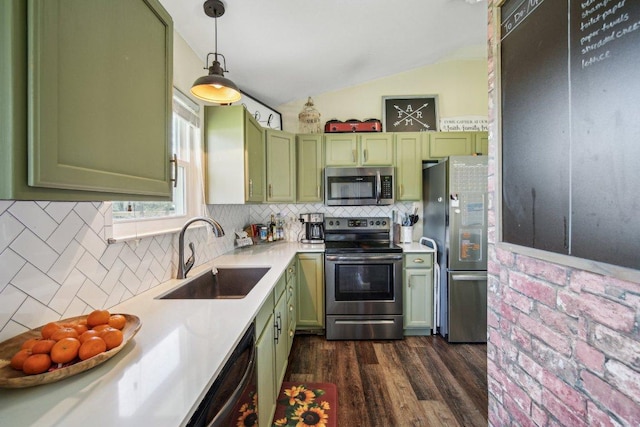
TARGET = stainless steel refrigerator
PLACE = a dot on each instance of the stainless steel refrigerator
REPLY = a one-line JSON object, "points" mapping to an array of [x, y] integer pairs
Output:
{"points": [[455, 217]]}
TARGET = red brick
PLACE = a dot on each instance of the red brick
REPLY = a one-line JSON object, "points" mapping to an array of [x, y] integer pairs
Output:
{"points": [[554, 362], [521, 337], [539, 416], [551, 338], [590, 357], [493, 320], [495, 389], [599, 284], [533, 288], [537, 268], [569, 303], [557, 320], [598, 418], [611, 399], [525, 381], [625, 348], [517, 300], [617, 316], [623, 378], [507, 313], [519, 396], [522, 419], [567, 394], [565, 416], [531, 367], [505, 257]]}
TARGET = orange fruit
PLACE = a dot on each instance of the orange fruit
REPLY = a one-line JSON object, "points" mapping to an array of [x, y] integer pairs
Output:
{"points": [[80, 329], [86, 335], [64, 333], [49, 329], [29, 343], [43, 346], [112, 337], [92, 347], [65, 350], [36, 364], [18, 359], [102, 327], [117, 321], [98, 317]]}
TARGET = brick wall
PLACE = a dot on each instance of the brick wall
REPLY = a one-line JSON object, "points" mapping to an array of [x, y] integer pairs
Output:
{"points": [[564, 344]]}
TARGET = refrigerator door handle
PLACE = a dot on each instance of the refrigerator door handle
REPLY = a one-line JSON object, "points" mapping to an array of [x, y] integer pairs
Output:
{"points": [[465, 277]]}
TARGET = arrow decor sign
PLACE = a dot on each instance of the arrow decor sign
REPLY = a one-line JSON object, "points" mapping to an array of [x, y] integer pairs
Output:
{"points": [[410, 113]]}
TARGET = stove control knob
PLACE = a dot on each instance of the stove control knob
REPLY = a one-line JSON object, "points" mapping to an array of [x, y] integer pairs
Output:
{"points": [[384, 222], [337, 222], [371, 223], [330, 222], [377, 222]]}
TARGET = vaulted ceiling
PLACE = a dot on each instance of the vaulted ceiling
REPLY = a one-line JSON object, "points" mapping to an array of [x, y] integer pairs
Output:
{"points": [[283, 50]]}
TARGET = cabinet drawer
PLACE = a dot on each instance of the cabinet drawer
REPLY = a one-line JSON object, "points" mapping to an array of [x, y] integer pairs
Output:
{"points": [[280, 287], [418, 260]]}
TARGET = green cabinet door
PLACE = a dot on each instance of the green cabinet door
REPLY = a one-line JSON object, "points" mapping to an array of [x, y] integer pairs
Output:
{"points": [[266, 378], [86, 102], [482, 143], [409, 165], [376, 149], [281, 166], [310, 162], [281, 340], [310, 306], [418, 294], [341, 149], [444, 144], [234, 156]]}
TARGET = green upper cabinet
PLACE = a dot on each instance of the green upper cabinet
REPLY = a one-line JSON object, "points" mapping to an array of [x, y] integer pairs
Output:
{"points": [[281, 166], [86, 100], [444, 144], [409, 165], [482, 143], [310, 163], [353, 149], [235, 156], [376, 149]]}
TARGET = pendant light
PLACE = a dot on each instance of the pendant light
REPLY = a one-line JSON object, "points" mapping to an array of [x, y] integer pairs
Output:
{"points": [[215, 87]]}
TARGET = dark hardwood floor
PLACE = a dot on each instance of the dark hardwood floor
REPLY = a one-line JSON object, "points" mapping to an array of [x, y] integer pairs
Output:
{"points": [[418, 381]]}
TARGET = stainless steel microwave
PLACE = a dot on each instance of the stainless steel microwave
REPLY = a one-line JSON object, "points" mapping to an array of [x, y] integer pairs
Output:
{"points": [[361, 186]]}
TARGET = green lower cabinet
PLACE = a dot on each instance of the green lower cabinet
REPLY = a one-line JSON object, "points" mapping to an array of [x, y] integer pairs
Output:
{"points": [[310, 295], [266, 375], [291, 294], [418, 294], [281, 340]]}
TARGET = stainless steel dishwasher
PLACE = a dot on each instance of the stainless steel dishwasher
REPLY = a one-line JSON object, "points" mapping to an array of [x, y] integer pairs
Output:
{"points": [[233, 389]]}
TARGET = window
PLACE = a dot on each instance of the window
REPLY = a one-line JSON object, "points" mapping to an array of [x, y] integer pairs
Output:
{"points": [[133, 219]]}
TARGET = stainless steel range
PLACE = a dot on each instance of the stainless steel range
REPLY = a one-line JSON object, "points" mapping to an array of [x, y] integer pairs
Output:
{"points": [[363, 280]]}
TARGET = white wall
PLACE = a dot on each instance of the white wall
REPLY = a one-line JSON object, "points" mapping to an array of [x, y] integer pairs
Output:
{"points": [[461, 86]]}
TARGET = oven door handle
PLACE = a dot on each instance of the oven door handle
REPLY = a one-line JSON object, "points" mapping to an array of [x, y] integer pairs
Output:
{"points": [[360, 258], [378, 185]]}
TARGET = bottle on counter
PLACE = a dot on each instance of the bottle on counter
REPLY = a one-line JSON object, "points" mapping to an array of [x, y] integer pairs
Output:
{"points": [[279, 227], [272, 230]]}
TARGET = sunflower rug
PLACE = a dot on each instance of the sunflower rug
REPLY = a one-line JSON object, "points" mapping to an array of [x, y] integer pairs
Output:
{"points": [[306, 405]]}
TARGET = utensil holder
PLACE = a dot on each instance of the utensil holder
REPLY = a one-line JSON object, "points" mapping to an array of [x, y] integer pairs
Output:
{"points": [[407, 234]]}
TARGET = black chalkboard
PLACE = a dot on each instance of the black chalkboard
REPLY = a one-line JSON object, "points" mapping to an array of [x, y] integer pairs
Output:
{"points": [[570, 88]]}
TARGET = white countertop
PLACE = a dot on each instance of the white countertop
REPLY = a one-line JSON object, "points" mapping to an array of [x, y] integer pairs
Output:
{"points": [[415, 247], [163, 372]]}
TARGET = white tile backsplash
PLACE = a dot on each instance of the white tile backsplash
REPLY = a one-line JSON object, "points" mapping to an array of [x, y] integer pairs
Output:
{"points": [[55, 261]]}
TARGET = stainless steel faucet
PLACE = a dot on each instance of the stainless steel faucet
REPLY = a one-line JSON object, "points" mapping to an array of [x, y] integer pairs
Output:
{"points": [[184, 267]]}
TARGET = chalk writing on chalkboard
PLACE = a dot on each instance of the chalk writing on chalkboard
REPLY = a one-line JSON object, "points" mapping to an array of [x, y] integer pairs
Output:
{"points": [[518, 15], [602, 24]]}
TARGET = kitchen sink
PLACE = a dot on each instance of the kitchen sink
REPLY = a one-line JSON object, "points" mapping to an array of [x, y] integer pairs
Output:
{"points": [[227, 283]]}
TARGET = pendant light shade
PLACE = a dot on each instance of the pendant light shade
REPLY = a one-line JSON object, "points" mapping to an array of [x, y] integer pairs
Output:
{"points": [[215, 87]]}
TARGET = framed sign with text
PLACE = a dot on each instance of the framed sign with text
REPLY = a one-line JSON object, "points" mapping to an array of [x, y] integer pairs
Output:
{"points": [[410, 113], [265, 115]]}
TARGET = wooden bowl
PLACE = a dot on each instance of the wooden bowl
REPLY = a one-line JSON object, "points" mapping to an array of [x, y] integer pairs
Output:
{"points": [[12, 378]]}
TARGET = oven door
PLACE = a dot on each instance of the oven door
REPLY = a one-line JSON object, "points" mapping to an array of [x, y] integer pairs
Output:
{"points": [[363, 283]]}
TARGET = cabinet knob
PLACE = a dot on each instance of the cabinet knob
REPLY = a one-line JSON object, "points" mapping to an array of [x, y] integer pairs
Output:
{"points": [[418, 260], [174, 160]]}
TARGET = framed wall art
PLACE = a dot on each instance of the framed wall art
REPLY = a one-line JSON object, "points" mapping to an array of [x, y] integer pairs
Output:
{"points": [[410, 113], [265, 115]]}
